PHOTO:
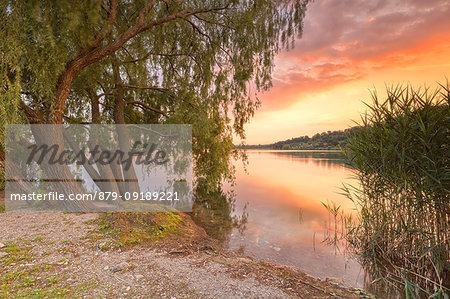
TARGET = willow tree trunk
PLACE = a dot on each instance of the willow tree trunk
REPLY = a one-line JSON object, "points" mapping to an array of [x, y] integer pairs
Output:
{"points": [[59, 175], [129, 173]]}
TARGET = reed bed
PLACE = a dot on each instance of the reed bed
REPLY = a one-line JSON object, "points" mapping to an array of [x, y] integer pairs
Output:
{"points": [[401, 160]]}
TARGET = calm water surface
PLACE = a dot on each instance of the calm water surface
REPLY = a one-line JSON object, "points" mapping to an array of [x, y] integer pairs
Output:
{"points": [[280, 197]]}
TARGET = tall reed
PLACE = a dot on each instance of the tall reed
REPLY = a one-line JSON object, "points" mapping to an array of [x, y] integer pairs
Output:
{"points": [[401, 161]]}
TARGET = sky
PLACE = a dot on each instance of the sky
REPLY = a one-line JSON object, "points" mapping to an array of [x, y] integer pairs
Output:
{"points": [[349, 48]]}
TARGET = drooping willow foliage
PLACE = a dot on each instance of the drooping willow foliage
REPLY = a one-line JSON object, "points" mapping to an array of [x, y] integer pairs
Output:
{"points": [[147, 61], [401, 160]]}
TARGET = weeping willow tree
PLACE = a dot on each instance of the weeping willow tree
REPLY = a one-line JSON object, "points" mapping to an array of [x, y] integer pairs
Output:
{"points": [[401, 158], [158, 61], [10, 101]]}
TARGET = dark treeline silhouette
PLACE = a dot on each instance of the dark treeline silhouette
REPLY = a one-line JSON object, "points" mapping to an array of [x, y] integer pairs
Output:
{"points": [[324, 140]]}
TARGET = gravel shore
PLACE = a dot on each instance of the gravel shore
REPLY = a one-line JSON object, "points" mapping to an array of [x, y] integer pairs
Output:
{"points": [[67, 255]]}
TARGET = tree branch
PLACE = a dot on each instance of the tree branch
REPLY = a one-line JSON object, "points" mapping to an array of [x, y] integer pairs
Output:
{"points": [[104, 94], [83, 60], [106, 105], [2, 158], [146, 56], [160, 89], [145, 87], [105, 30], [196, 28], [145, 106], [34, 116], [76, 121]]}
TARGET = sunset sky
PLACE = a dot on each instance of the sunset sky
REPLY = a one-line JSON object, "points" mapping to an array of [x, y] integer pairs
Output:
{"points": [[348, 48]]}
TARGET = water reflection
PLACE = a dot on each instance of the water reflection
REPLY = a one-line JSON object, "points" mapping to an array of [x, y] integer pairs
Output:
{"points": [[327, 159], [277, 213], [214, 211]]}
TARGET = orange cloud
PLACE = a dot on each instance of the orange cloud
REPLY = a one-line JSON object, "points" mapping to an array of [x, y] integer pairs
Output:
{"points": [[291, 86], [346, 40], [348, 47]]}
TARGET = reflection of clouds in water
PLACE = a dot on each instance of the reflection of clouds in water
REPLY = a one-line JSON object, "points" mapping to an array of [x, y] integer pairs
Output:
{"points": [[282, 205], [287, 220], [297, 179]]}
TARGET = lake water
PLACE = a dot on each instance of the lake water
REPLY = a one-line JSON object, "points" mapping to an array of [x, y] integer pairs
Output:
{"points": [[284, 221]]}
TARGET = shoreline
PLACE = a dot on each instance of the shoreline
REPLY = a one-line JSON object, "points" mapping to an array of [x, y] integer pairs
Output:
{"points": [[289, 150], [78, 257]]}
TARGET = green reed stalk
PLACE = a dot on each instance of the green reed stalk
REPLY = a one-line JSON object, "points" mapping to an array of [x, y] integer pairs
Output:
{"points": [[401, 160]]}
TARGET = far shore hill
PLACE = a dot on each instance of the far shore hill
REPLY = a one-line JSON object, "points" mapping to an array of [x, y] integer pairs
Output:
{"points": [[331, 140]]}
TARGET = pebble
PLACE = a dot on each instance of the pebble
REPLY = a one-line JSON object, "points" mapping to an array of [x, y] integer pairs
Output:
{"points": [[2, 245], [119, 267], [2, 254], [138, 277]]}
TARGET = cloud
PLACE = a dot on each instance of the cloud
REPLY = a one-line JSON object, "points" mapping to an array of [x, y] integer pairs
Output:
{"points": [[295, 82], [343, 40]]}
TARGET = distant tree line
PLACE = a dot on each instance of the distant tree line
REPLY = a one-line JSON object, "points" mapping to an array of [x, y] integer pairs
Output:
{"points": [[325, 140]]}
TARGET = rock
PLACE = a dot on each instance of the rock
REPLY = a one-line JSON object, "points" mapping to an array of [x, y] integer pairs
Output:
{"points": [[119, 267], [276, 248], [334, 280], [139, 277], [2, 245]]}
